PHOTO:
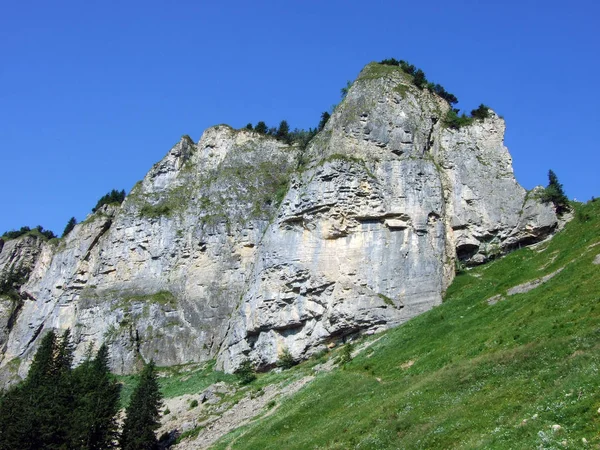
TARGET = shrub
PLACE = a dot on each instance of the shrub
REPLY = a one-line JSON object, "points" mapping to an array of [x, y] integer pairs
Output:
{"points": [[193, 404], [245, 372], [453, 120], [286, 360], [346, 355], [390, 62], [39, 230], [113, 196], [419, 79], [482, 112]]}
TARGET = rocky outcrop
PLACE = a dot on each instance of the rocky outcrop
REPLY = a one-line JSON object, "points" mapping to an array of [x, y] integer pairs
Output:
{"points": [[241, 246]]}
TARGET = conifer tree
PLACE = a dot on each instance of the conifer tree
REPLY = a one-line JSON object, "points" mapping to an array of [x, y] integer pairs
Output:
{"points": [[96, 392], [324, 118], [35, 414], [143, 413], [70, 225], [554, 193], [283, 132], [261, 128]]}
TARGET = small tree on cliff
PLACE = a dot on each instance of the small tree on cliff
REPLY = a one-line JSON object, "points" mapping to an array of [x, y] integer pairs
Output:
{"points": [[554, 193], [70, 225]]}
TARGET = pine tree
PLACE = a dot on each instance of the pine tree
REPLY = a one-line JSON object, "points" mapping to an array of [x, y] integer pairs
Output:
{"points": [[35, 414], [70, 225], [283, 132], [554, 193], [324, 118], [261, 128], [21, 420], [143, 413], [97, 392]]}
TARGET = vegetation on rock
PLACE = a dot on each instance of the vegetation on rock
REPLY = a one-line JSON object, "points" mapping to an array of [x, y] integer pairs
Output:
{"points": [[470, 373], [554, 193], [113, 197], [69, 227], [23, 231]]}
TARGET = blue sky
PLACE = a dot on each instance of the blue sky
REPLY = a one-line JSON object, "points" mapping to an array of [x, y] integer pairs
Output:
{"points": [[93, 93]]}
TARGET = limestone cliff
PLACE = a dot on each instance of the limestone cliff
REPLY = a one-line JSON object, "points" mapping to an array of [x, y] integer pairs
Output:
{"points": [[241, 246]]}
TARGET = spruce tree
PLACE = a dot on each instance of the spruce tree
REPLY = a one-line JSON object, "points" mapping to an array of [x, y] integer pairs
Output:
{"points": [[97, 393], [261, 128], [143, 413], [324, 118], [283, 132], [554, 193], [70, 225], [35, 414]]}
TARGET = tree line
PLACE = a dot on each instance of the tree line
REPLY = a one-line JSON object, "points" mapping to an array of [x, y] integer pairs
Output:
{"points": [[61, 407], [453, 117], [283, 133]]}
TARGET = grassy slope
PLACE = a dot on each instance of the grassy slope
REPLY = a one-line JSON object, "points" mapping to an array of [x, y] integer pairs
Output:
{"points": [[478, 370]]}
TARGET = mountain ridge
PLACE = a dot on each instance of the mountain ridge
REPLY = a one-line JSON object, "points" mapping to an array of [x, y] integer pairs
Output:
{"points": [[242, 247]]}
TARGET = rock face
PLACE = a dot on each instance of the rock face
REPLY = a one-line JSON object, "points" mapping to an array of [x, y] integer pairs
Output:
{"points": [[241, 246]]}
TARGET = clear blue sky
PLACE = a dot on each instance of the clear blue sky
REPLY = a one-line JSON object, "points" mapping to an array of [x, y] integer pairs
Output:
{"points": [[93, 93]]}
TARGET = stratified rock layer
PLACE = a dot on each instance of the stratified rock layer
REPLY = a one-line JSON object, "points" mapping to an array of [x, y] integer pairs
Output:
{"points": [[240, 246]]}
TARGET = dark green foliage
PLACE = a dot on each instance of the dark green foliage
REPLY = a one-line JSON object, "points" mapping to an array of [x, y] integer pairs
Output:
{"points": [[11, 279], [193, 404], [439, 90], [324, 118], [419, 79], [13, 234], [56, 407], [407, 68], [249, 126], [390, 62], [245, 372], [39, 230], [453, 120], [96, 394], [113, 196], [286, 360], [143, 413], [482, 112], [35, 414], [261, 128], [283, 132], [554, 193], [70, 225], [302, 137], [346, 355]]}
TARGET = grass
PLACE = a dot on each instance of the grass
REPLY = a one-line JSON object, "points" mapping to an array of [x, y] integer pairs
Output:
{"points": [[467, 374], [175, 381]]}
